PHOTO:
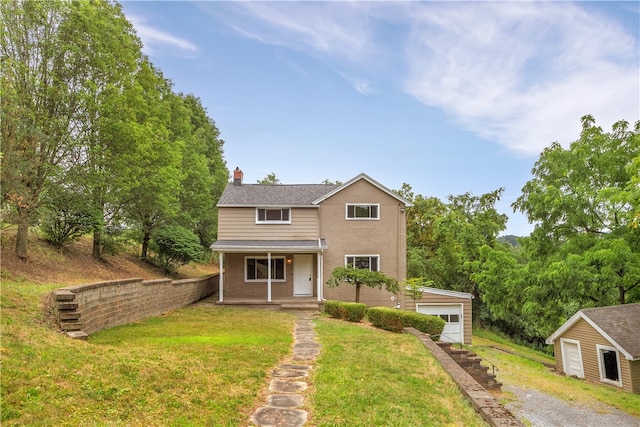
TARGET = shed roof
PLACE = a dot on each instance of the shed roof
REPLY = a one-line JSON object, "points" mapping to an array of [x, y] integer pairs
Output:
{"points": [[445, 292], [619, 324]]}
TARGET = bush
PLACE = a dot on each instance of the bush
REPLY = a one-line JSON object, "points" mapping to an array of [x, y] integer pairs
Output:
{"points": [[332, 308], [176, 246], [351, 311], [66, 218], [392, 319]]}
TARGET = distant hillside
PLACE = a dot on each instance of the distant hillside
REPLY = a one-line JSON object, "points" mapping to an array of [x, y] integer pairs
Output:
{"points": [[510, 239]]}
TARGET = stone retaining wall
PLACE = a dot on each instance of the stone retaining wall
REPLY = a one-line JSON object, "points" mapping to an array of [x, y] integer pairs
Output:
{"points": [[84, 309]]}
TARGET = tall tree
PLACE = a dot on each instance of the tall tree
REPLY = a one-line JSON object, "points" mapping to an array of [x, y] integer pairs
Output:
{"points": [[41, 97], [158, 158], [205, 171], [62, 62], [106, 163], [583, 201]]}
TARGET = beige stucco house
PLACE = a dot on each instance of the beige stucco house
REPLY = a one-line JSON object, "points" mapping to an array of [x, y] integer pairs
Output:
{"points": [[601, 344], [277, 244]]}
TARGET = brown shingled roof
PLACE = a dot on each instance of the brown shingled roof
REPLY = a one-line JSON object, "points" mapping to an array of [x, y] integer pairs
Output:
{"points": [[273, 195], [621, 323]]}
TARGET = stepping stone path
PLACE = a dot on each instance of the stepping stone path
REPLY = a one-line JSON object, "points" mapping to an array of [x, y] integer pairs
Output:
{"points": [[289, 379]]}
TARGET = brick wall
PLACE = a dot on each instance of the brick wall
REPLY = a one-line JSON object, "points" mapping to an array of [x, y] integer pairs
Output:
{"points": [[84, 309]]}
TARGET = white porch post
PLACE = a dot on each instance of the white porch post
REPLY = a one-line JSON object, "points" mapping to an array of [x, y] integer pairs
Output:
{"points": [[221, 278], [269, 277], [320, 262]]}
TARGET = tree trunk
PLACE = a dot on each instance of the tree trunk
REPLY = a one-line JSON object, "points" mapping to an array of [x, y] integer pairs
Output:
{"points": [[22, 238], [358, 292], [97, 248], [145, 244]]}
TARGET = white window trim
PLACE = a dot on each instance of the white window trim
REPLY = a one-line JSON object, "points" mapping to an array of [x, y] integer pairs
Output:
{"points": [[363, 255], [273, 222], [603, 374], [346, 211], [265, 280]]}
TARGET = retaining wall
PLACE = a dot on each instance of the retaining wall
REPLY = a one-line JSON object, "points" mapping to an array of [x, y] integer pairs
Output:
{"points": [[84, 309]]}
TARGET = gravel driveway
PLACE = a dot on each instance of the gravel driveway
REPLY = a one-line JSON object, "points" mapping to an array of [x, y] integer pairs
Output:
{"points": [[542, 410]]}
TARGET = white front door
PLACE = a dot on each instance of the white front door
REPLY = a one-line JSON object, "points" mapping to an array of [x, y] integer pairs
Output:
{"points": [[302, 275], [452, 314], [571, 357]]}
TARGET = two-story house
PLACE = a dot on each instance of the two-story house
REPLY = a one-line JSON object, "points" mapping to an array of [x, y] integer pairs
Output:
{"points": [[278, 244]]}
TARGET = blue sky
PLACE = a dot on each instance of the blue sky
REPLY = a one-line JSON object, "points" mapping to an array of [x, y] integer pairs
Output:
{"points": [[449, 97]]}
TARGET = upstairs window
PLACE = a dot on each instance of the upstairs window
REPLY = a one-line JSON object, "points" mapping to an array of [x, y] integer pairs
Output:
{"points": [[363, 211], [273, 216], [369, 262]]}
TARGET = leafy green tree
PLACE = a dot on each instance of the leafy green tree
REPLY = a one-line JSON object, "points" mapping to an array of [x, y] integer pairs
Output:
{"points": [[362, 276], [154, 194], [107, 162], [205, 171], [444, 239], [43, 92], [583, 202], [270, 179]]}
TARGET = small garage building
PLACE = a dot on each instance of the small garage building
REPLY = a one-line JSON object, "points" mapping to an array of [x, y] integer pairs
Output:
{"points": [[601, 344], [452, 306]]}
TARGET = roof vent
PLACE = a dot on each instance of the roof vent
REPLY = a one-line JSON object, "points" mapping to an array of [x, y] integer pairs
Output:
{"points": [[237, 176]]}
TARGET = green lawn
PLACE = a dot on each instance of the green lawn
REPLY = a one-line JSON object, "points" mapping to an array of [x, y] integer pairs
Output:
{"points": [[370, 377], [195, 366], [209, 366]]}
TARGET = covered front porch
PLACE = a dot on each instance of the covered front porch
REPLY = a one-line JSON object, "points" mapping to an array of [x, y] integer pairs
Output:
{"points": [[271, 274]]}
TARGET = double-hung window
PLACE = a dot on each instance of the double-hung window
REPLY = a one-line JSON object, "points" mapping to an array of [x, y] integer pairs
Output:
{"points": [[356, 211], [257, 269], [369, 262], [273, 216]]}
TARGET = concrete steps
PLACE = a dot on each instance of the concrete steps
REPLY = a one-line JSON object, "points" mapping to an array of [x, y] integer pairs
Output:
{"points": [[471, 363]]}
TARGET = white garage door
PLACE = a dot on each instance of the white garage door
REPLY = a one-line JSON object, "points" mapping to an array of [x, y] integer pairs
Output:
{"points": [[452, 314], [572, 358]]}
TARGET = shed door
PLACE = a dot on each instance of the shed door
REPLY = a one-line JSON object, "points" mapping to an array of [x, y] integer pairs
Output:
{"points": [[452, 314], [572, 358]]}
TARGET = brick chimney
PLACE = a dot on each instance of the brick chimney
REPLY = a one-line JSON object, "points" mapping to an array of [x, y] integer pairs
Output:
{"points": [[237, 176]]}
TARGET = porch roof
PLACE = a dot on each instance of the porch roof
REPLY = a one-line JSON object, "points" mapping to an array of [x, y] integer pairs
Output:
{"points": [[316, 245]]}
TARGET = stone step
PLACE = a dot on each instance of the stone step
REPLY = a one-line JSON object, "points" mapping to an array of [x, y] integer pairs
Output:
{"points": [[63, 305], [300, 307]]}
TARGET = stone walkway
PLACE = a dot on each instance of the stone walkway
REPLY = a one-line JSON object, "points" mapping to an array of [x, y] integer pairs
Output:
{"points": [[289, 379]]}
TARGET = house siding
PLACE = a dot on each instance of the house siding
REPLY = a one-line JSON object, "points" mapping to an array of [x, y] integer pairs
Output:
{"points": [[385, 237], [429, 298], [590, 338], [240, 224], [634, 368]]}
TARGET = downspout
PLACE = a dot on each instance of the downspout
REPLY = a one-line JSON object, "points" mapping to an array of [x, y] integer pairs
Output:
{"points": [[221, 278], [320, 271], [268, 276]]}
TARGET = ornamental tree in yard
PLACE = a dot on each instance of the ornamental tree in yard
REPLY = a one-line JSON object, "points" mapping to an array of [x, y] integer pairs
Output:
{"points": [[362, 276]]}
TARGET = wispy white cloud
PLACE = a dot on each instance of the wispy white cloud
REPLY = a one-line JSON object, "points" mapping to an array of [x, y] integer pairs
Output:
{"points": [[520, 74], [155, 40]]}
